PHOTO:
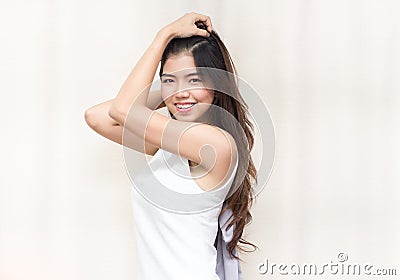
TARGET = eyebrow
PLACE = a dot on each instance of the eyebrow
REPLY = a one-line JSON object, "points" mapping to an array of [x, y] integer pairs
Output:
{"points": [[187, 75]]}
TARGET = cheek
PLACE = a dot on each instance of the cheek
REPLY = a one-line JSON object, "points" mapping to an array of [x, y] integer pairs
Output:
{"points": [[204, 96], [166, 93]]}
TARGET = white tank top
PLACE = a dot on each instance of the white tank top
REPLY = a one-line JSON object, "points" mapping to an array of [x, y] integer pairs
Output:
{"points": [[172, 245]]}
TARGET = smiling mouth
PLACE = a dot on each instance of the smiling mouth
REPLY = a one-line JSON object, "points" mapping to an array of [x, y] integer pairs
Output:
{"points": [[184, 107]]}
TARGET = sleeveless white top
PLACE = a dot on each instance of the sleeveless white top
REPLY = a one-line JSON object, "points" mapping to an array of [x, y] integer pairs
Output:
{"points": [[173, 245]]}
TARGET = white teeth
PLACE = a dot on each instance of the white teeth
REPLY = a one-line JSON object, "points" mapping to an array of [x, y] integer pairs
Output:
{"points": [[184, 106]]}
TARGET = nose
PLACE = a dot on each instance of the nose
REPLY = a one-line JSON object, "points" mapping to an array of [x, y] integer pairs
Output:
{"points": [[182, 93]]}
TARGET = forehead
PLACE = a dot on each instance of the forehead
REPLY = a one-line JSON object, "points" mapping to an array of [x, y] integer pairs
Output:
{"points": [[179, 65]]}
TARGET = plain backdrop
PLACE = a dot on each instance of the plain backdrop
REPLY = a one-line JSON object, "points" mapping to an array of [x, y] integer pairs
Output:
{"points": [[327, 70]]}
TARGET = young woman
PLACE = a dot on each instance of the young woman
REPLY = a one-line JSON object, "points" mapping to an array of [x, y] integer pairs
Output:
{"points": [[216, 148]]}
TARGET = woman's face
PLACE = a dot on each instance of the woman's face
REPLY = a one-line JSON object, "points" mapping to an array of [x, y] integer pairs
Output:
{"points": [[183, 90]]}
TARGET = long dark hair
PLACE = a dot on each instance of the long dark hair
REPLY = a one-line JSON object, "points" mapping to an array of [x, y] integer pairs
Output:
{"points": [[211, 52]]}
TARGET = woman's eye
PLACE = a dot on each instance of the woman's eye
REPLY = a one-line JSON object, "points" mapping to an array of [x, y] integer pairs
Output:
{"points": [[168, 81], [196, 80]]}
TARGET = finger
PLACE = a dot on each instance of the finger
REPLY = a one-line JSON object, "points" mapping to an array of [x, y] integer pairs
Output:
{"points": [[201, 27], [206, 20], [202, 32]]}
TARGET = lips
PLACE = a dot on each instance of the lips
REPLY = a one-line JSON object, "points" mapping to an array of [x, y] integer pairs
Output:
{"points": [[184, 106]]}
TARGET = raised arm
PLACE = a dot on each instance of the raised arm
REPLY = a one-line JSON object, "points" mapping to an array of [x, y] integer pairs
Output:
{"points": [[98, 119], [204, 144]]}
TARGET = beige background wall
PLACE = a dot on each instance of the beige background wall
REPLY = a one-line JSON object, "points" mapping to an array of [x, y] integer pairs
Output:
{"points": [[328, 70]]}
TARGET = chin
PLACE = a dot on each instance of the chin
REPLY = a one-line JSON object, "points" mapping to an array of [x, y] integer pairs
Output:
{"points": [[185, 118]]}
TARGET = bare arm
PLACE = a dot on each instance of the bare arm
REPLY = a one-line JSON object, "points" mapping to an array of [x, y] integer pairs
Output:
{"points": [[204, 144], [98, 119]]}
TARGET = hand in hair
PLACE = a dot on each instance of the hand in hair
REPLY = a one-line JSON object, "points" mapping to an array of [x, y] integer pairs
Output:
{"points": [[186, 26]]}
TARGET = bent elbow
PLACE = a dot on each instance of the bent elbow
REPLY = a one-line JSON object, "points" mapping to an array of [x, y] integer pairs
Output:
{"points": [[89, 118], [116, 114]]}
